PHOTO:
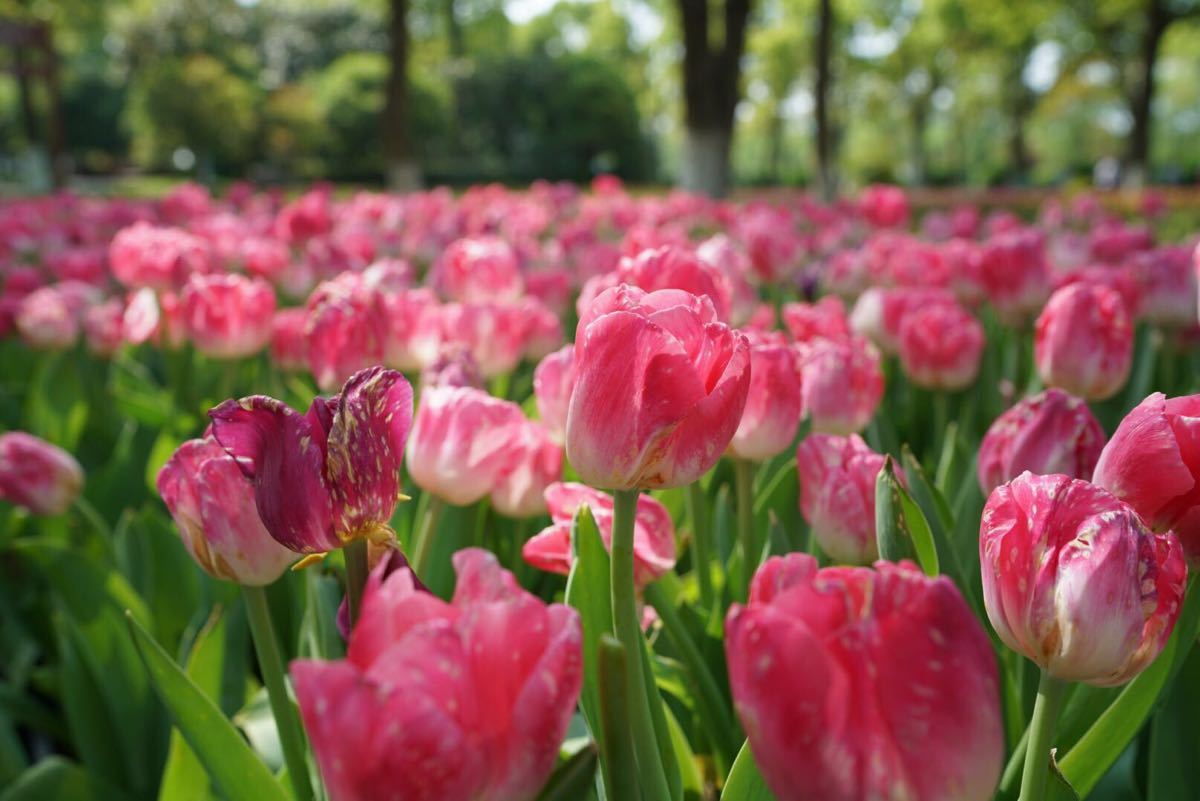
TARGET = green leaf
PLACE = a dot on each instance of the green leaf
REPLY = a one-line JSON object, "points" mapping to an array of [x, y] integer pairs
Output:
{"points": [[901, 529], [61, 780], [693, 782], [588, 592], [319, 637], [745, 783], [1174, 771], [574, 778], [662, 732], [616, 738], [232, 765]]}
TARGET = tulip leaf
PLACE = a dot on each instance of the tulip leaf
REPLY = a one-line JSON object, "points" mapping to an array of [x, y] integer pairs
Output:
{"points": [[57, 778], [901, 529], [588, 592], [662, 732], [225, 755], [574, 778], [616, 737], [1174, 772], [745, 783]]}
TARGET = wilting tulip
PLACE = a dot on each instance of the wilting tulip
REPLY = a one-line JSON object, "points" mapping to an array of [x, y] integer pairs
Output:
{"points": [[289, 348], [846, 679], [842, 384], [771, 416], [212, 503], [660, 389], [36, 475], [327, 477], [466, 701], [534, 462], [676, 268], [347, 330], [228, 316], [1074, 580], [478, 270], [553, 381], [1152, 463], [837, 494], [1052, 432], [653, 532], [1083, 341], [461, 442], [825, 318], [940, 347]]}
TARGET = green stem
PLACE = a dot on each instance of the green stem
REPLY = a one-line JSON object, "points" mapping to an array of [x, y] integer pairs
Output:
{"points": [[423, 540], [287, 722], [355, 553], [697, 509], [1051, 692], [627, 627], [743, 474]]}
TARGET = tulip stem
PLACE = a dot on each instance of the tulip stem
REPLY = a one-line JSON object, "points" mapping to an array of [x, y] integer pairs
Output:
{"points": [[743, 475], [697, 508], [287, 721], [1051, 692], [355, 553], [629, 632], [423, 540]]}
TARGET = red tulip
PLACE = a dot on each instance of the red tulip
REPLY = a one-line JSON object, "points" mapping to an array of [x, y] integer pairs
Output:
{"points": [[1083, 341], [837, 494], [534, 462], [825, 318], [494, 334], [212, 503], [46, 319], [478, 271], [466, 701], [1152, 463], [653, 532], [940, 346], [347, 330], [842, 384], [413, 327], [773, 408], [329, 476], [675, 268], [846, 680], [228, 316], [660, 389], [1074, 580], [1167, 286], [36, 475], [289, 347], [884, 206], [879, 314], [144, 255], [1015, 276], [553, 381]]}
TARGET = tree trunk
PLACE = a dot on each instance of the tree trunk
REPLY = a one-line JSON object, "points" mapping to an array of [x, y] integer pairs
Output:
{"points": [[775, 152], [711, 88], [826, 172], [454, 31], [1137, 158], [23, 70], [1020, 103], [403, 174]]}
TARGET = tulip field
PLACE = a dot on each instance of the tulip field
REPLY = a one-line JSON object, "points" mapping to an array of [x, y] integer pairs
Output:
{"points": [[582, 494]]}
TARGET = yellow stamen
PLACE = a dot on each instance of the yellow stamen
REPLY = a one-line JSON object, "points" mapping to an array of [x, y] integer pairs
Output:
{"points": [[310, 560]]}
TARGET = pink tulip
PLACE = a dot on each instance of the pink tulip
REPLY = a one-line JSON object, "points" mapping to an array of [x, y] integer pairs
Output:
{"points": [[36, 475], [228, 316], [1168, 286], [212, 503], [884, 206], [495, 334], [837, 494], [653, 532], [1152, 463], [103, 327], [327, 477], [534, 462], [675, 268], [842, 384], [1083, 341], [141, 318], [347, 330], [453, 367], [847, 678], [436, 701], [825, 318], [1015, 276], [941, 346], [553, 382], [144, 255], [47, 320], [880, 313], [413, 327], [289, 347], [461, 442], [1053, 432], [478, 271], [1075, 581], [773, 408]]}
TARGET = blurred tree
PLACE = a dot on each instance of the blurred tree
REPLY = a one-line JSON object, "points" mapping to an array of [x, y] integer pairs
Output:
{"points": [[401, 170]]}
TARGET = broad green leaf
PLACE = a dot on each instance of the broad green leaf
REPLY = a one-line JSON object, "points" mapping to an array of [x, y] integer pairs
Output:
{"points": [[58, 779], [745, 783], [13, 761], [662, 733], [588, 592], [689, 770], [901, 530], [616, 739], [232, 765], [574, 778], [319, 637]]}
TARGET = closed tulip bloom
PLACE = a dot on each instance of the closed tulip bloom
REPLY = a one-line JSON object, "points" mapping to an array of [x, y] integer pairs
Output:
{"points": [[1074, 580], [347, 330], [553, 381], [329, 476], [461, 442], [884, 206], [161, 258], [825, 318], [47, 320], [289, 346], [495, 334], [228, 316], [846, 679], [1152, 463], [660, 389], [940, 347], [36, 475], [771, 416], [478, 270], [653, 532], [534, 462], [1083, 341], [1053, 432], [413, 327], [212, 503], [880, 313], [671, 267], [460, 701], [837, 494], [842, 384]]}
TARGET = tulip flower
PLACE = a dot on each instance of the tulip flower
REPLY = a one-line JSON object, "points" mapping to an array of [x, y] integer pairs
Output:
{"points": [[1015, 276], [495, 334], [884, 206], [1083, 341], [675, 268], [36, 475], [144, 255], [880, 313], [771, 416], [553, 381], [1152, 463], [837, 494], [140, 322], [825, 318], [848, 679], [941, 346], [47, 319], [289, 347], [347, 330], [212, 503], [653, 532], [534, 462], [1053, 432], [660, 389], [460, 701], [453, 367], [228, 316], [478, 271], [842, 384], [103, 327]]}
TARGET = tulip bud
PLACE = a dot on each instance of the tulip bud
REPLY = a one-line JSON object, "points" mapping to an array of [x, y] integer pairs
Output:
{"points": [[228, 316], [837, 494], [940, 347], [847, 679], [36, 475], [1053, 432], [773, 403], [1074, 580], [212, 504], [1083, 341], [842, 384]]}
